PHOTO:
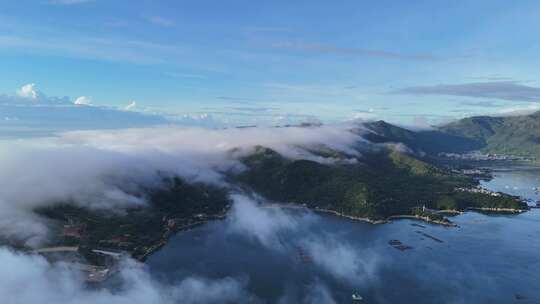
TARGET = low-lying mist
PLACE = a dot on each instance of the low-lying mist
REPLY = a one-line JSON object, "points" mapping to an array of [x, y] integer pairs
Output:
{"points": [[110, 170]]}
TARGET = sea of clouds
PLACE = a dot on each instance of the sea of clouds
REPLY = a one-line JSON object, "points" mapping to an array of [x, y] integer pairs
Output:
{"points": [[106, 169], [46, 282]]}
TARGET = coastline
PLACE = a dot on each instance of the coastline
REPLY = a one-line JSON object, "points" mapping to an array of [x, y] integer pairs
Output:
{"points": [[497, 210], [366, 219], [171, 231]]}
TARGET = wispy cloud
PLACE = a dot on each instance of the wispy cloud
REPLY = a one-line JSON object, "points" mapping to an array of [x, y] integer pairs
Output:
{"points": [[525, 109], [348, 51], [132, 104], [266, 29], [481, 103], [109, 49], [162, 21], [62, 283], [504, 90], [69, 2], [185, 75]]}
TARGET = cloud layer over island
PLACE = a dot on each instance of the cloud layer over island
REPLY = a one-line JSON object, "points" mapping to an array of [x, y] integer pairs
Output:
{"points": [[108, 169]]}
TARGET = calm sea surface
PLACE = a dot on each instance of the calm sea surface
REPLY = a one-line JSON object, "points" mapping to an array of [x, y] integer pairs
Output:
{"points": [[488, 259]]}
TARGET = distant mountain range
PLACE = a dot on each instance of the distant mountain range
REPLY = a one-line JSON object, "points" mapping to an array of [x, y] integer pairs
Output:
{"points": [[511, 135]]}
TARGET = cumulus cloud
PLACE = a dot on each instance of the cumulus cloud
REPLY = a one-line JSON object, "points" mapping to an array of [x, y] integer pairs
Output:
{"points": [[132, 104], [61, 283], [83, 100], [504, 90], [28, 91], [31, 113]]}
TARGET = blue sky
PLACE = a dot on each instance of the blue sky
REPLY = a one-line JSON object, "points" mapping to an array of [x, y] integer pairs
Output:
{"points": [[247, 62]]}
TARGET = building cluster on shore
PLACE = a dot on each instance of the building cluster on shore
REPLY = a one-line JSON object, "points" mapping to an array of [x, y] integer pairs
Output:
{"points": [[478, 156], [480, 190], [91, 273], [98, 260], [471, 171]]}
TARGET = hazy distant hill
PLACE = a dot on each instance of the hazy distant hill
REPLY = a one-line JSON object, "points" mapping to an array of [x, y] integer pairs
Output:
{"points": [[516, 135], [431, 142]]}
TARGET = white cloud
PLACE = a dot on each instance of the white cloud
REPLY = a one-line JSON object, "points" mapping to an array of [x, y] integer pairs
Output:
{"points": [[503, 90], [28, 91], [338, 258], [104, 169], [260, 224], [69, 2], [83, 101], [525, 109], [161, 21], [60, 283], [272, 227], [318, 293], [47, 115], [367, 115], [132, 104]]}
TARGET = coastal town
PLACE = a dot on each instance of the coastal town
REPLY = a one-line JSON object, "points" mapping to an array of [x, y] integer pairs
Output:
{"points": [[479, 156], [480, 190]]}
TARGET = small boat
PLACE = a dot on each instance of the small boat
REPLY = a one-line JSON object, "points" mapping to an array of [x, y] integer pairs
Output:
{"points": [[356, 297]]}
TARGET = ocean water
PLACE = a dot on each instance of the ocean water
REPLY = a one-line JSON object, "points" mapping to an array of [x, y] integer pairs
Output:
{"points": [[295, 256]]}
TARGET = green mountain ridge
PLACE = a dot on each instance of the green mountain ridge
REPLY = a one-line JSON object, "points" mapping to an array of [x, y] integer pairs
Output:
{"points": [[516, 135], [381, 184], [509, 135]]}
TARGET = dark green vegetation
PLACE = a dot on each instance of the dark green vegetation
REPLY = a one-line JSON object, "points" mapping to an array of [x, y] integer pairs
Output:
{"points": [[380, 185], [464, 200], [510, 135], [175, 206]]}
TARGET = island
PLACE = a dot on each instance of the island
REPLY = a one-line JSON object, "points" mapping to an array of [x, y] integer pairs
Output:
{"points": [[379, 183]]}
